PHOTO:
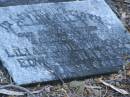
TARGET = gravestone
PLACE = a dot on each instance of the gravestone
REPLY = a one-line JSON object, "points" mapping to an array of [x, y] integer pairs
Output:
{"points": [[4, 3], [52, 41]]}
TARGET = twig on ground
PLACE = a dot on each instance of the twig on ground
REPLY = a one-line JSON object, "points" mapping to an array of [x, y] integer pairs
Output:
{"points": [[65, 92], [4, 90], [11, 93], [105, 92], [127, 2], [124, 92], [93, 87], [16, 87]]}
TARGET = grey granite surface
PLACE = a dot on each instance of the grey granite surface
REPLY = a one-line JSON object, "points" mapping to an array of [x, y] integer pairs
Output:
{"points": [[4, 3], [41, 42]]}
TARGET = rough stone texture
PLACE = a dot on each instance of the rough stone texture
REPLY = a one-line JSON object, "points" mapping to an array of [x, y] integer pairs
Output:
{"points": [[76, 39], [4, 3]]}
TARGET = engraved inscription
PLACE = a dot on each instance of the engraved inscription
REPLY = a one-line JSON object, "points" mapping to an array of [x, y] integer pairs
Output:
{"points": [[18, 52], [63, 37]]}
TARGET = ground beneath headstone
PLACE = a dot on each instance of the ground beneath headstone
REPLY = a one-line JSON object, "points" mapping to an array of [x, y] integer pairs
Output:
{"points": [[90, 87]]}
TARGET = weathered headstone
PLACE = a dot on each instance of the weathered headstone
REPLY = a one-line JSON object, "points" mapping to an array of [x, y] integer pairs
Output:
{"points": [[41, 42], [4, 3]]}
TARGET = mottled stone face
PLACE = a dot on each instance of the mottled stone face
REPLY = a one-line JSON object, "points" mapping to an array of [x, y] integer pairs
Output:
{"points": [[4, 3], [40, 42]]}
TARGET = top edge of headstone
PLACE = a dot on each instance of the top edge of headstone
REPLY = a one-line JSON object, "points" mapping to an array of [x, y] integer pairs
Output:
{"points": [[5, 3]]}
